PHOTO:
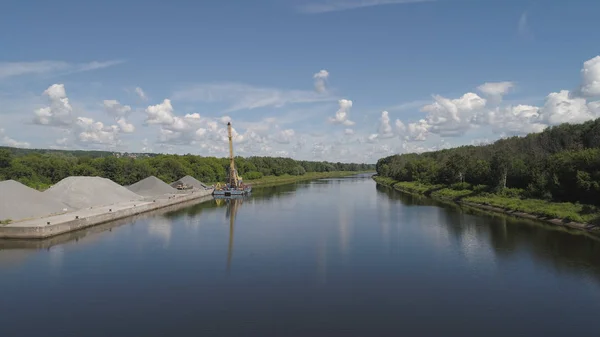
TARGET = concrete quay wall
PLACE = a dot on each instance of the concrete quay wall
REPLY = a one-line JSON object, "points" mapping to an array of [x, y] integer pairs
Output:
{"points": [[59, 224]]}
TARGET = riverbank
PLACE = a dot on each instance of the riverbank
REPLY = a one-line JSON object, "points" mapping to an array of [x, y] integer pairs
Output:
{"points": [[583, 217], [45, 227], [288, 179]]}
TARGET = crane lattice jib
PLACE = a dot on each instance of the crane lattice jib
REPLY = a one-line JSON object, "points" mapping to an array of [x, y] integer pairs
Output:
{"points": [[233, 177]]}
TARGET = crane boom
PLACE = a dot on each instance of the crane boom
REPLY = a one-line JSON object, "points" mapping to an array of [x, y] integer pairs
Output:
{"points": [[233, 177]]}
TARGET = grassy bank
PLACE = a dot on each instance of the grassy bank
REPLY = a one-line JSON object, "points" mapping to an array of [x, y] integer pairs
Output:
{"points": [[508, 201], [288, 179]]}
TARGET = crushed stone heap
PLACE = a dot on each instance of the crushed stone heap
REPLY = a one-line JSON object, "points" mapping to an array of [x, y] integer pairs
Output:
{"points": [[151, 186], [18, 202], [189, 181], [84, 192]]}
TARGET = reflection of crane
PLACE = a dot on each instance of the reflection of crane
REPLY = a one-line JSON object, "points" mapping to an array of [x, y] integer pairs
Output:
{"points": [[232, 207]]}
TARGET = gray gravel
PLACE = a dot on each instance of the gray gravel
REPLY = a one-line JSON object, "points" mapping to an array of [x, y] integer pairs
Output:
{"points": [[18, 202], [190, 181], [151, 186], [84, 192]]}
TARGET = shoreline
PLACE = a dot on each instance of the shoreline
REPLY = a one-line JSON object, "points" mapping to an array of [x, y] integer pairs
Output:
{"points": [[60, 224], [53, 225], [269, 181], [554, 221]]}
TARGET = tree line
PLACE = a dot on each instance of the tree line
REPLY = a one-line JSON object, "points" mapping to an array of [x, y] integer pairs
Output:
{"points": [[562, 163], [41, 168]]}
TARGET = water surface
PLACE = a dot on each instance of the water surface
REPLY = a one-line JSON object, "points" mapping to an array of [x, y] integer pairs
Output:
{"points": [[333, 257]]}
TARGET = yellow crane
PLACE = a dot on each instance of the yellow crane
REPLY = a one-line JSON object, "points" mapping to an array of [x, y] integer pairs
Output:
{"points": [[234, 179], [236, 184]]}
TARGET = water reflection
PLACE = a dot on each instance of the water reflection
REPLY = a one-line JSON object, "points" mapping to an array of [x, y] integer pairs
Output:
{"points": [[492, 236], [232, 203]]}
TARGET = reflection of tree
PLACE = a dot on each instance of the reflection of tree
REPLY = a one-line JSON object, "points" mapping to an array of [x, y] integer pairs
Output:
{"points": [[564, 249]]}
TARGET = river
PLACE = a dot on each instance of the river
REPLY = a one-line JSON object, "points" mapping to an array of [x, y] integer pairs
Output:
{"points": [[332, 257]]}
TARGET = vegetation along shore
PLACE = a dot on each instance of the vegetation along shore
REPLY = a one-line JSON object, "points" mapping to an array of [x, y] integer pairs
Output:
{"points": [[553, 175], [40, 169]]}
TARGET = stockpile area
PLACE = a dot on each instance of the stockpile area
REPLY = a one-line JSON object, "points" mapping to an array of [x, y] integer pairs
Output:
{"points": [[189, 181], [151, 186], [84, 192], [18, 201]]}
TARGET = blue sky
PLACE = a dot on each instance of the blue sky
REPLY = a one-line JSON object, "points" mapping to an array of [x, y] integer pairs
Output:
{"points": [[69, 72]]}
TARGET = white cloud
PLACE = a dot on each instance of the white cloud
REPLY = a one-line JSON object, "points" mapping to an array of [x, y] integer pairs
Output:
{"points": [[385, 129], [7, 141], [60, 111], [341, 116], [590, 73], [341, 5], [348, 132], [97, 132], [242, 96], [284, 136], [494, 91], [12, 69], [561, 108], [124, 126], [515, 120], [320, 80], [417, 131], [114, 108], [141, 94], [453, 117]]}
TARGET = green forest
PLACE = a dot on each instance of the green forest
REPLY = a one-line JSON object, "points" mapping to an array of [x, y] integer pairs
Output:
{"points": [[42, 168], [560, 164]]}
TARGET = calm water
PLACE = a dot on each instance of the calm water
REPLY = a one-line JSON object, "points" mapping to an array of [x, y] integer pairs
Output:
{"points": [[335, 257]]}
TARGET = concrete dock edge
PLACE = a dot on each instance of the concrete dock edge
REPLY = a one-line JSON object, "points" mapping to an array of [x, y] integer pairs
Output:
{"points": [[59, 224]]}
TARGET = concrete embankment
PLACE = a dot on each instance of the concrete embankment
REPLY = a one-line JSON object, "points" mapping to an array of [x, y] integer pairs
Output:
{"points": [[45, 227]]}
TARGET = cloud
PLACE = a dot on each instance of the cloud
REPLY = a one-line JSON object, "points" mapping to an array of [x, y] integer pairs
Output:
{"points": [[561, 108], [453, 117], [495, 91], [94, 132], [124, 126], [114, 108], [60, 111], [141, 94], [408, 105], [13, 69], [590, 86], [284, 136], [325, 6], [348, 132], [523, 27], [246, 97], [385, 129], [320, 80], [341, 116], [7, 141]]}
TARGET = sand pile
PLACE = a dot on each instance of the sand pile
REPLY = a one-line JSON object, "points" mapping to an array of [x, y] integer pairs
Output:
{"points": [[189, 181], [84, 192], [151, 186], [18, 201]]}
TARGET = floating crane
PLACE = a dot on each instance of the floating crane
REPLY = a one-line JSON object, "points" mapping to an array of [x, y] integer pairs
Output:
{"points": [[235, 186]]}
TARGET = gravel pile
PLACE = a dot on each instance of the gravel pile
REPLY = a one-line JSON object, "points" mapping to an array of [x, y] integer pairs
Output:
{"points": [[84, 192], [189, 181], [151, 186], [18, 202]]}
